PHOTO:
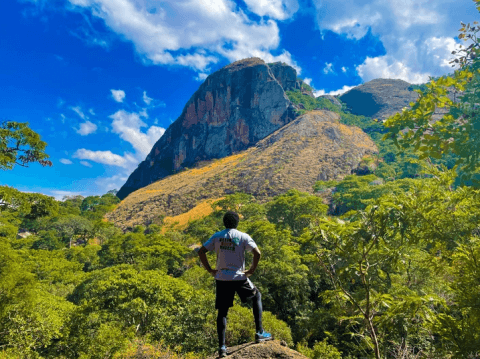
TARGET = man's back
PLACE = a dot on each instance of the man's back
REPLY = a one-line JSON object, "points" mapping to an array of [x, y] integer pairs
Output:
{"points": [[230, 246]]}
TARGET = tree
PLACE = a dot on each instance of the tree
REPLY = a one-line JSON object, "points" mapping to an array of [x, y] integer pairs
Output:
{"points": [[458, 132], [20, 145]]}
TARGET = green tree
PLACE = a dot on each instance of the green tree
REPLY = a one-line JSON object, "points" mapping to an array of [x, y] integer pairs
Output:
{"points": [[458, 132], [295, 210], [20, 145]]}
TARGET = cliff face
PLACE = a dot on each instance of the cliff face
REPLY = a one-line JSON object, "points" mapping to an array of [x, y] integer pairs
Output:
{"points": [[315, 146], [233, 109]]}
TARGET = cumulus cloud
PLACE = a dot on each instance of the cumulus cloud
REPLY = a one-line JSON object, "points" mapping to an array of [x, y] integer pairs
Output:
{"points": [[344, 89], [201, 76], [276, 9], [118, 95], [106, 158], [418, 35], [86, 128], [344, 69], [129, 125], [65, 161], [381, 67], [307, 80], [166, 32]]}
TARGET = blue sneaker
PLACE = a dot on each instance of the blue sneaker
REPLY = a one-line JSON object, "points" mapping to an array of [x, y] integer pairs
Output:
{"points": [[262, 337], [222, 352]]}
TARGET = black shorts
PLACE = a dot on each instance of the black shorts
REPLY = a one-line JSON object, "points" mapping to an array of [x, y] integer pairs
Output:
{"points": [[226, 292]]}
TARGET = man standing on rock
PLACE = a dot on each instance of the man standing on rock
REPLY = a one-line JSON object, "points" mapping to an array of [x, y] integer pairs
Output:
{"points": [[230, 246]]}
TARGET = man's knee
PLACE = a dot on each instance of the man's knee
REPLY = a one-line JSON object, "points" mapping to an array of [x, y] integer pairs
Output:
{"points": [[222, 312], [258, 295]]}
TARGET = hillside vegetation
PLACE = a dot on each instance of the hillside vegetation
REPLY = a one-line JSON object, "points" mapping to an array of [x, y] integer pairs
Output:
{"points": [[312, 147], [388, 268]]}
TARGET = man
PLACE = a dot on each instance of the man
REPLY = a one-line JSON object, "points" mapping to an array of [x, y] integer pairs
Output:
{"points": [[230, 246]]}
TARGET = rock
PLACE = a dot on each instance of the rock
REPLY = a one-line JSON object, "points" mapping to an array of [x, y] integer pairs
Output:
{"points": [[379, 98], [232, 110], [270, 349]]}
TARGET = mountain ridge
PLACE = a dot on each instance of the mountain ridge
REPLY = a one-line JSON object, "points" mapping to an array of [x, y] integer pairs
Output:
{"points": [[315, 146]]}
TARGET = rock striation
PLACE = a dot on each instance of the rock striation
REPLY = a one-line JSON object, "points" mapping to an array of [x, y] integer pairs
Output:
{"points": [[232, 110]]}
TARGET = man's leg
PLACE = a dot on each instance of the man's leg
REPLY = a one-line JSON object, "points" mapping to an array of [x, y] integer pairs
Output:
{"points": [[257, 311], [221, 325]]}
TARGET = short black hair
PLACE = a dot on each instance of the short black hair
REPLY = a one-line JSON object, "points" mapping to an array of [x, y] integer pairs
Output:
{"points": [[230, 219]]}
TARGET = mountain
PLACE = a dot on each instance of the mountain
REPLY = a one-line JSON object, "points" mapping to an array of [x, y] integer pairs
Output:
{"points": [[232, 110], [315, 146], [379, 98]]}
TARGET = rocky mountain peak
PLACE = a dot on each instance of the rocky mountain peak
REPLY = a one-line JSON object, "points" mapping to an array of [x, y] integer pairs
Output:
{"points": [[232, 110], [379, 98]]}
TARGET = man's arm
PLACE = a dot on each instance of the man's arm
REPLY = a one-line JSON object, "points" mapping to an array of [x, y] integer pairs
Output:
{"points": [[256, 259], [203, 258]]}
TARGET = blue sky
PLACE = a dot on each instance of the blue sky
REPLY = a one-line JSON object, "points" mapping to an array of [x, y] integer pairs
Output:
{"points": [[100, 80]]}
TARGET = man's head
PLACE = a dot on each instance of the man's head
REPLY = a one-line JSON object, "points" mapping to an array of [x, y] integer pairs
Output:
{"points": [[230, 219]]}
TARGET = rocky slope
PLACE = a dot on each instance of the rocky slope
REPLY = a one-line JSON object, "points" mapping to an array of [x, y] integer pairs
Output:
{"points": [[272, 349], [315, 146], [233, 109], [379, 98]]}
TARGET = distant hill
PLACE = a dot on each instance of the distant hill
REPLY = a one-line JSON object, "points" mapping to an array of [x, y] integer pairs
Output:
{"points": [[315, 146], [379, 98]]}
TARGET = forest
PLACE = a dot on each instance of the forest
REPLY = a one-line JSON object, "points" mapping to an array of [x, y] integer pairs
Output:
{"points": [[389, 269]]}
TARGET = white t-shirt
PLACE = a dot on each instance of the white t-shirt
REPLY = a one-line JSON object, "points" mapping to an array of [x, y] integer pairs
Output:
{"points": [[230, 246]]}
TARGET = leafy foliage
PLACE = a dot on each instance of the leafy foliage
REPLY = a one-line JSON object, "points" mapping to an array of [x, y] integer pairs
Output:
{"points": [[20, 145]]}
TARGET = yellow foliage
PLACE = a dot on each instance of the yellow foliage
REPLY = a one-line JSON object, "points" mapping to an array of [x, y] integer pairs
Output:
{"points": [[202, 210]]}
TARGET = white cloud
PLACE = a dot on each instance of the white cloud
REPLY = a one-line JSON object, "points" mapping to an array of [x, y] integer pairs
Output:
{"points": [[328, 69], [201, 76], [307, 80], [383, 67], [78, 111], [418, 35], [86, 164], [147, 99], [344, 69], [106, 158], [91, 112], [128, 126], [65, 161], [113, 182], [276, 9], [167, 32], [333, 93], [86, 128], [118, 95]]}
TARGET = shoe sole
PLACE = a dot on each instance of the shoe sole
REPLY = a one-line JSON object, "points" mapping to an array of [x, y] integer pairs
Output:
{"points": [[263, 340]]}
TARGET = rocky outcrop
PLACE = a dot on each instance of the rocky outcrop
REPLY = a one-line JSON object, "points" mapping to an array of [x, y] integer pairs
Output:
{"points": [[315, 146], [232, 110], [272, 349], [379, 98]]}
